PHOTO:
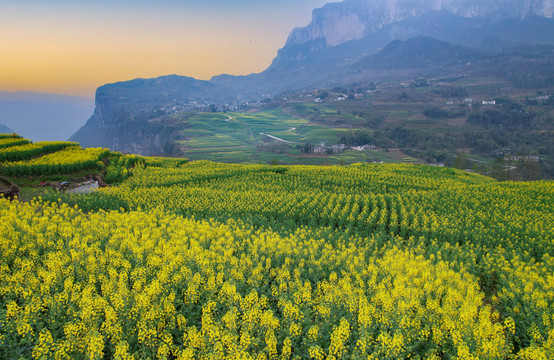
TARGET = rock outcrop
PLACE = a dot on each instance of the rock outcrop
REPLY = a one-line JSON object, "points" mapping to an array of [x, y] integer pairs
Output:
{"points": [[125, 114]]}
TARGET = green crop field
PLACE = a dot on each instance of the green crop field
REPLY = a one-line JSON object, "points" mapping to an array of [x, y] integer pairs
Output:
{"points": [[435, 124], [257, 137], [196, 260]]}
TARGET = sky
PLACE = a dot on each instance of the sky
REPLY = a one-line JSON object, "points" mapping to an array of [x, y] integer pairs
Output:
{"points": [[73, 46]]}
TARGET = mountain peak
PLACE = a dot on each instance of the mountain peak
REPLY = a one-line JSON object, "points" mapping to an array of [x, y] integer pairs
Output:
{"points": [[341, 22]]}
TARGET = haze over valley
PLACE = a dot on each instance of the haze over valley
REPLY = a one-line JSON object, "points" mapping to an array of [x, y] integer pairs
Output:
{"points": [[42, 116]]}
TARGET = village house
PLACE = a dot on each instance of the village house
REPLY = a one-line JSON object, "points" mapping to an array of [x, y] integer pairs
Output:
{"points": [[532, 158], [364, 148], [329, 148]]}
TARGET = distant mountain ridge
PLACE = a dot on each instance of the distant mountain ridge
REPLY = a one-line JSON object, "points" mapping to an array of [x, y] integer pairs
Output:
{"points": [[336, 48], [527, 66], [349, 20], [5, 130], [419, 52], [41, 116]]}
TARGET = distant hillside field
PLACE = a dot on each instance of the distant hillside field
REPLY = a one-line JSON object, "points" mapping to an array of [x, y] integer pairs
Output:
{"points": [[196, 260]]}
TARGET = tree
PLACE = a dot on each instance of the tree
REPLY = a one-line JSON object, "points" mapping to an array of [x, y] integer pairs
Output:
{"points": [[461, 161], [499, 170]]}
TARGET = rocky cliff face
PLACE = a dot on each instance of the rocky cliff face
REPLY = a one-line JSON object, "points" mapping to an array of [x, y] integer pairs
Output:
{"points": [[125, 112], [338, 23], [120, 131]]}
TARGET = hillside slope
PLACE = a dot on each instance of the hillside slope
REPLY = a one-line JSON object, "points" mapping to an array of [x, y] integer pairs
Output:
{"points": [[5, 130]]}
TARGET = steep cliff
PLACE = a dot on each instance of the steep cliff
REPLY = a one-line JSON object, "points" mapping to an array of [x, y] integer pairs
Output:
{"points": [[125, 115], [331, 51], [338, 23]]}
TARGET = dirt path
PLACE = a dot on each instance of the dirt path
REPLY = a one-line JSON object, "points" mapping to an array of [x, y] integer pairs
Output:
{"points": [[278, 139]]}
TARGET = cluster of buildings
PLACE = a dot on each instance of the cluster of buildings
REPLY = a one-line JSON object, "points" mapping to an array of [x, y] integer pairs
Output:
{"points": [[470, 101], [532, 158], [210, 107], [320, 149], [508, 155], [329, 148]]}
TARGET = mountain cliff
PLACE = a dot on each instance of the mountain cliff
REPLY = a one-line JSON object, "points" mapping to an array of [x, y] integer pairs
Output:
{"points": [[349, 30], [333, 50], [123, 118], [337, 23]]}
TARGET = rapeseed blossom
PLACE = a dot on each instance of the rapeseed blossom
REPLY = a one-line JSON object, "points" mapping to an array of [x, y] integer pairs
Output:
{"points": [[206, 260]]}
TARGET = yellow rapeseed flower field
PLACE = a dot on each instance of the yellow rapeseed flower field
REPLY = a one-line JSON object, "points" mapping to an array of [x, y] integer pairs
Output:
{"points": [[222, 261], [71, 159], [9, 141], [28, 150]]}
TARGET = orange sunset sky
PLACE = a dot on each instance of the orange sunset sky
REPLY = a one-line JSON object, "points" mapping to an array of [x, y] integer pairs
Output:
{"points": [[72, 47]]}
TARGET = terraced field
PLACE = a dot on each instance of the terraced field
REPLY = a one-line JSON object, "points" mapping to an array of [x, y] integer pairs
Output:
{"points": [[260, 137]]}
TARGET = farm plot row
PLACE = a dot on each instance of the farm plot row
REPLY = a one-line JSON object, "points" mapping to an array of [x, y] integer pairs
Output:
{"points": [[29, 151], [70, 159], [9, 141]]}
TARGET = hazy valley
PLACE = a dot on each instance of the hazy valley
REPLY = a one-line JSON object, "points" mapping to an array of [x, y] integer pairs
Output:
{"points": [[41, 116]]}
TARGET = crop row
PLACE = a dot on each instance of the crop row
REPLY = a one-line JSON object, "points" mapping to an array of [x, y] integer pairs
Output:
{"points": [[71, 159], [12, 141], [5, 136], [29, 151], [394, 201]]}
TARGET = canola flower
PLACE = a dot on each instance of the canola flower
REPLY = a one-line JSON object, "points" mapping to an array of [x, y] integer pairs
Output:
{"points": [[206, 260], [29, 151], [153, 284], [6, 142], [71, 159]]}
